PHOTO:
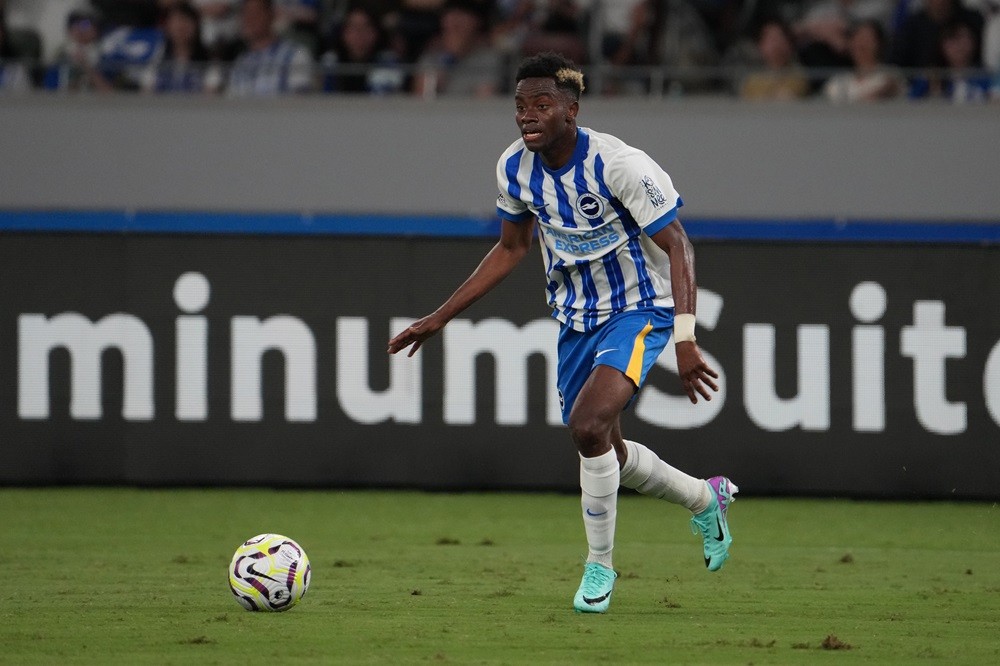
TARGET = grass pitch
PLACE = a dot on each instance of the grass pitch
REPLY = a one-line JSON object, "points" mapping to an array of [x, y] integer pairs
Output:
{"points": [[104, 576]]}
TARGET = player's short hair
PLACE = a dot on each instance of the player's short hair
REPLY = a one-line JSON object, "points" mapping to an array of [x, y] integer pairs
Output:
{"points": [[549, 65]]}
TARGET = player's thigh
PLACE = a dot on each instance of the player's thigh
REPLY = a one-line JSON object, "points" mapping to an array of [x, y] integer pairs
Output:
{"points": [[602, 399]]}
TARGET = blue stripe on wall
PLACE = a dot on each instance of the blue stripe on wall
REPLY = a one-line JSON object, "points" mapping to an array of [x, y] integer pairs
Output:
{"points": [[810, 230], [845, 230], [293, 224]]}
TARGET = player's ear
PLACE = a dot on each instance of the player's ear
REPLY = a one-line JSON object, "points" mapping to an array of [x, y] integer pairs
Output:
{"points": [[572, 110]]}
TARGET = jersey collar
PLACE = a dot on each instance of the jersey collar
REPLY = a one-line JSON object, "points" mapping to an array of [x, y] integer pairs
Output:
{"points": [[579, 153]]}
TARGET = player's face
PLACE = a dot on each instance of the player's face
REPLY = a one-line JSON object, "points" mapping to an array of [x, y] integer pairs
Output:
{"points": [[546, 117]]}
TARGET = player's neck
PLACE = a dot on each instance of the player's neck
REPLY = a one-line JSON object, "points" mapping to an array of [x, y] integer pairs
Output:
{"points": [[558, 155]]}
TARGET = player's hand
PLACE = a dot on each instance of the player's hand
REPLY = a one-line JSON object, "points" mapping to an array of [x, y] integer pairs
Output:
{"points": [[695, 373], [415, 334]]}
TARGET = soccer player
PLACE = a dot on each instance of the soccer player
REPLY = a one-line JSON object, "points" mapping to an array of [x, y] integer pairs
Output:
{"points": [[620, 279]]}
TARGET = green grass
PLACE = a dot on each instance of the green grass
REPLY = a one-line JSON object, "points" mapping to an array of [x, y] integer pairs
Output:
{"points": [[139, 576]]}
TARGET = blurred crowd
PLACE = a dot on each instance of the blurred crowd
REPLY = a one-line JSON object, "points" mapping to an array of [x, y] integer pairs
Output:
{"points": [[843, 50]]}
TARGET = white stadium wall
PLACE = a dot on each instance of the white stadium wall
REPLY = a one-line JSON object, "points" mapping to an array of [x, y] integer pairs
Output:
{"points": [[404, 156]]}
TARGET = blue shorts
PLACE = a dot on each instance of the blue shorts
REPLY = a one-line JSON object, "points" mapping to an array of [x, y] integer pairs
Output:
{"points": [[629, 341]]}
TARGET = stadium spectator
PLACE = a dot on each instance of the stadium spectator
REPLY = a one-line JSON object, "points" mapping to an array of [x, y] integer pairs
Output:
{"points": [[782, 77], [461, 60], [559, 27], [37, 27], [870, 78], [671, 34], [77, 63], [667, 33], [829, 21], [960, 52], [742, 54], [183, 65], [615, 22], [727, 20], [13, 74], [416, 24], [510, 23], [918, 41], [271, 65], [359, 60], [220, 26], [680, 35], [822, 32], [299, 20]]}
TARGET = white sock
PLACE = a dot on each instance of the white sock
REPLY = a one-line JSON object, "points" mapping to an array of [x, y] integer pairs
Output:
{"points": [[645, 472], [599, 479]]}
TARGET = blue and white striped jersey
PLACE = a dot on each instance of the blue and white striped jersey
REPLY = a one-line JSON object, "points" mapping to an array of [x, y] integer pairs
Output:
{"points": [[595, 217], [283, 67]]}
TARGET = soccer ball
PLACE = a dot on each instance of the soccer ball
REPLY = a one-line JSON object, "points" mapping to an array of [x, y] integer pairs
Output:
{"points": [[269, 572]]}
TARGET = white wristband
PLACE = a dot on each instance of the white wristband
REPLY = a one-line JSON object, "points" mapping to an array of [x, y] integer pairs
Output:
{"points": [[684, 328]]}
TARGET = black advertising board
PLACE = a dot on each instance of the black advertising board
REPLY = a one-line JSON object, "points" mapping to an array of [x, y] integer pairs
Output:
{"points": [[853, 369]]}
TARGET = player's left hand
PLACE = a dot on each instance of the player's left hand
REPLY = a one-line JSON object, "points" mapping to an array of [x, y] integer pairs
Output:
{"points": [[695, 373]]}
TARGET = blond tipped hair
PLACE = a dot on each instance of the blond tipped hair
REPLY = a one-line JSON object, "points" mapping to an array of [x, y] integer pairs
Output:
{"points": [[570, 76]]}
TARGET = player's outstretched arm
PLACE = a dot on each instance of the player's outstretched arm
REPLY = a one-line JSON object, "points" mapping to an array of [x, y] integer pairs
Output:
{"points": [[514, 243], [696, 375]]}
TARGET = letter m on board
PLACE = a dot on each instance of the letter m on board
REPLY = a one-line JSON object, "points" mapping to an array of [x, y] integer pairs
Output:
{"points": [[86, 341]]}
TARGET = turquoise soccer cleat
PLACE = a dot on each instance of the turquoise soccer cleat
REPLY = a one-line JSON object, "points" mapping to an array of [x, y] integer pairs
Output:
{"points": [[594, 595], [712, 522]]}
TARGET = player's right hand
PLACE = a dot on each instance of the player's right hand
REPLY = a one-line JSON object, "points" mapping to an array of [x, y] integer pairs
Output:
{"points": [[415, 334]]}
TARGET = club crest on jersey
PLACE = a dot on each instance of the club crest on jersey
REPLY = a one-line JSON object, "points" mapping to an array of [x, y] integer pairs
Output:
{"points": [[590, 206]]}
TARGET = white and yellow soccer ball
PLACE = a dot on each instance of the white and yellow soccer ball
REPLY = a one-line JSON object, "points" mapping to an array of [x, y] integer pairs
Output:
{"points": [[269, 572]]}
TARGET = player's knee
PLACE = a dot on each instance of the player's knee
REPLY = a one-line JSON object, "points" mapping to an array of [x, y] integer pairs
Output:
{"points": [[590, 433]]}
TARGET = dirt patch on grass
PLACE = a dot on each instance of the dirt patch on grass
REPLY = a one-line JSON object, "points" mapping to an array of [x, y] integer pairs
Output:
{"points": [[831, 642]]}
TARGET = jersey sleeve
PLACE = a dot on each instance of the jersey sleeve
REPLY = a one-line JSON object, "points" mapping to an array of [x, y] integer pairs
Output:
{"points": [[645, 190], [509, 206]]}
